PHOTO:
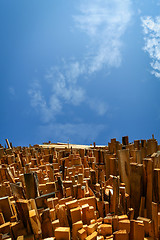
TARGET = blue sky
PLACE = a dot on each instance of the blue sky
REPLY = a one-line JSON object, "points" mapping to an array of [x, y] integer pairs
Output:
{"points": [[84, 70]]}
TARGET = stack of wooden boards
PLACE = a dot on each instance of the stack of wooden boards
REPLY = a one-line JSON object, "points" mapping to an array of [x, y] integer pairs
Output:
{"points": [[109, 192]]}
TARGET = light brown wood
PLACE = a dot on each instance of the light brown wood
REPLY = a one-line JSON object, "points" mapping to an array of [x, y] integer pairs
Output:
{"points": [[124, 168], [97, 192]]}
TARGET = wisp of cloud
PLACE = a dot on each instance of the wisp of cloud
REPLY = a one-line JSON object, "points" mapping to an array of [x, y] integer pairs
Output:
{"points": [[151, 28], [104, 22]]}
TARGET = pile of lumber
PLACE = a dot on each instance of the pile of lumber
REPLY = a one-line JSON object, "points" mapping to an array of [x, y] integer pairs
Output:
{"points": [[63, 192]]}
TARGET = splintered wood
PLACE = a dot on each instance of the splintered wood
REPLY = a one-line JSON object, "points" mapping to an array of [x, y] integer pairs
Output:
{"points": [[63, 191]]}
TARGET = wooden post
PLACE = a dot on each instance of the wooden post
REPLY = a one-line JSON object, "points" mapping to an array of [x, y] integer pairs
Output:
{"points": [[124, 168], [47, 230], [155, 219], [59, 187], [156, 183], [113, 166], [5, 206], [31, 185], [115, 199], [152, 146], [147, 163], [8, 144], [125, 140], [136, 186], [17, 191], [142, 207], [23, 214], [35, 223]]}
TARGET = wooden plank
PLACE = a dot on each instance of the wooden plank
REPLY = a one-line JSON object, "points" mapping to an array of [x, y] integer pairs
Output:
{"points": [[5, 206], [17, 191], [31, 185], [156, 182], [8, 144], [124, 168], [136, 186], [148, 175], [155, 219], [46, 224], [23, 213]]}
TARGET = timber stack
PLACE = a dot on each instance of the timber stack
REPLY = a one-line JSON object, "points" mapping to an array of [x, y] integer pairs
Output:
{"points": [[63, 191]]}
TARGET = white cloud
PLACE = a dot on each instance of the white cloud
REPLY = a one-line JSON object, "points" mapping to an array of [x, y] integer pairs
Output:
{"points": [[63, 89], [76, 133], [104, 22], [98, 106], [55, 104], [151, 29], [38, 102], [64, 83], [12, 91]]}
